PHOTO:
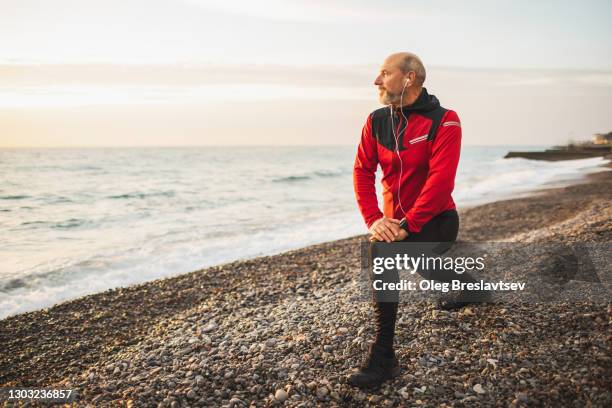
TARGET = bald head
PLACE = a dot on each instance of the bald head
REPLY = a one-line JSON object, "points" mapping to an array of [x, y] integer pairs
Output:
{"points": [[408, 62], [400, 79]]}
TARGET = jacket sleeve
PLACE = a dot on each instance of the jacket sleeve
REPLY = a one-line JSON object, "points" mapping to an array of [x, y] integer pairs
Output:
{"points": [[364, 175], [436, 192]]}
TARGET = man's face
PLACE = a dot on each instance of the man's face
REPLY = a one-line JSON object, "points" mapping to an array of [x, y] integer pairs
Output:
{"points": [[390, 82]]}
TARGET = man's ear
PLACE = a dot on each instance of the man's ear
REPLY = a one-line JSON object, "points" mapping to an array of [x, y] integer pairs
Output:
{"points": [[409, 80]]}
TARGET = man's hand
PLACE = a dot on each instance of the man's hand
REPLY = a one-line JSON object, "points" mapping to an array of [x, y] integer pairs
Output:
{"points": [[403, 234], [385, 229]]}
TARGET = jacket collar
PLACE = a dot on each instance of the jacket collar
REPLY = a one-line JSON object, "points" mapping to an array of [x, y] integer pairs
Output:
{"points": [[424, 103]]}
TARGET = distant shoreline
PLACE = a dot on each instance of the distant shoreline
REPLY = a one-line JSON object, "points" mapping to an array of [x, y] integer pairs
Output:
{"points": [[574, 151]]}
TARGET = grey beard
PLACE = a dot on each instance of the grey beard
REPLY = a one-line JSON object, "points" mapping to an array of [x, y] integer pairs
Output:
{"points": [[390, 98]]}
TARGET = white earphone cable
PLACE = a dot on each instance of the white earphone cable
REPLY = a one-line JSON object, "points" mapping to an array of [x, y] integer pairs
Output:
{"points": [[396, 137]]}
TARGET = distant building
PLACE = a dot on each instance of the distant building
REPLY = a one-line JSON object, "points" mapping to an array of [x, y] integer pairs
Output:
{"points": [[602, 138]]}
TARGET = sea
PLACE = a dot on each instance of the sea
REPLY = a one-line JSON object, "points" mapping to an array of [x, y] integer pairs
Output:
{"points": [[80, 221]]}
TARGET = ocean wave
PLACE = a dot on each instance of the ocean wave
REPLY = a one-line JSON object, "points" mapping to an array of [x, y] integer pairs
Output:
{"points": [[329, 173], [309, 176], [33, 222], [142, 195], [502, 178], [80, 168], [290, 179], [14, 197], [58, 200], [13, 284], [70, 223], [45, 276], [67, 224]]}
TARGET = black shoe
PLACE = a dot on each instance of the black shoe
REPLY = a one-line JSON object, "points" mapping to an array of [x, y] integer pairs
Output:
{"points": [[463, 299], [376, 370]]}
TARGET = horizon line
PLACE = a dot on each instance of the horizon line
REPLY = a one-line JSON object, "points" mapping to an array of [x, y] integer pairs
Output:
{"points": [[227, 145]]}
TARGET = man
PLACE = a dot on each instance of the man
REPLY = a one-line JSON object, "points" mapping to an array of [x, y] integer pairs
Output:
{"points": [[417, 143]]}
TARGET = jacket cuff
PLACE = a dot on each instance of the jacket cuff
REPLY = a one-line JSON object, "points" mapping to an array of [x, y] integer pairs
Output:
{"points": [[412, 227]]}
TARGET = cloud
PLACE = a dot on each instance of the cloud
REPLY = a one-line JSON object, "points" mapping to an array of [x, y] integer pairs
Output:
{"points": [[184, 75], [312, 11], [567, 77], [96, 95]]}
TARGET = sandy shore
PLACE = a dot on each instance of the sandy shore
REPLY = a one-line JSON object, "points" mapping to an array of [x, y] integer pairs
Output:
{"points": [[283, 330]]}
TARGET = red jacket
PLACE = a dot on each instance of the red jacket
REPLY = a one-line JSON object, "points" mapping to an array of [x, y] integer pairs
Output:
{"points": [[429, 149]]}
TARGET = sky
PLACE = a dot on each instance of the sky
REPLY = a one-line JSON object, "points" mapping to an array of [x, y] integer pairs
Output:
{"points": [[198, 72]]}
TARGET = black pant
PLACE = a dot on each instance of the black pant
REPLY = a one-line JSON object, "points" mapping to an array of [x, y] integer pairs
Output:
{"points": [[442, 229]]}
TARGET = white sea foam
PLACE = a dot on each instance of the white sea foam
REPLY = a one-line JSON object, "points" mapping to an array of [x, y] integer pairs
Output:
{"points": [[499, 178]]}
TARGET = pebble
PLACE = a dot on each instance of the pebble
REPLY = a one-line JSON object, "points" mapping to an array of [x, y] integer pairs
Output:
{"points": [[281, 395], [403, 392], [375, 399], [235, 402], [210, 326], [522, 397], [479, 389], [322, 392], [359, 396]]}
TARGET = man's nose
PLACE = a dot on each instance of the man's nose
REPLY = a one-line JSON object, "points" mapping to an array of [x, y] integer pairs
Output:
{"points": [[378, 81]]}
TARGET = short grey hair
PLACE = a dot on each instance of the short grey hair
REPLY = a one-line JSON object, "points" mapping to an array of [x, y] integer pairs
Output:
{"points": [[413, 63]]}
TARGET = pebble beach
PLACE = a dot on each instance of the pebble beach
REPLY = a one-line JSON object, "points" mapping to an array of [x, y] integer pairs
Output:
{"points": [[284, 330]]}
